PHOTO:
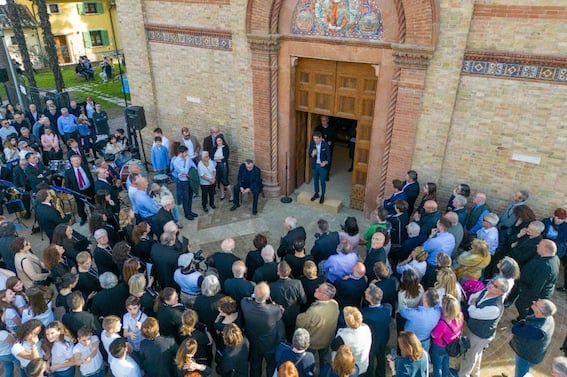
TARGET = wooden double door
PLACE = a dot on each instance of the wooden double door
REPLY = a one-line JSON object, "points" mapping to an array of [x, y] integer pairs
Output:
{"points": [[339, 89]]}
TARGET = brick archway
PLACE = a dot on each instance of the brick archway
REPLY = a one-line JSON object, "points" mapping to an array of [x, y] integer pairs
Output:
{"points": [[410, 48]]}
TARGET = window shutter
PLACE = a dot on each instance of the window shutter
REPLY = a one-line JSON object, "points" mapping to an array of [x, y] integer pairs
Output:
{"points": [[87, 39], [104, 37], [99, 8], [81, 8]]}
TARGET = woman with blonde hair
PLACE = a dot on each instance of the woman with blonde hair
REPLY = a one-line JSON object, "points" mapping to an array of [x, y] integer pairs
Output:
{"points": [[356, 335], [472, 262], [234, 362], [138, 286], [310, 281], [447, 283], [343, 365], [192, 328], [413, 360], [185, 362], [59, 349], [447, 330]]}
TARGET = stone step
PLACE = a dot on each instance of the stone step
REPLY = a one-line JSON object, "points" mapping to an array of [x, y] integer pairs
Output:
{"points": [[330, 205]]}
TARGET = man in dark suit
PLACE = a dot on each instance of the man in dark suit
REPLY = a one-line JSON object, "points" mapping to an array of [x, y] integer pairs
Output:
{"points": [[164, 257], [238, 287], [80, 180], [351, 290], [329, 134], [209, 141], [36, 171], [32, 115], [377, 317], [268, 271], [6, 175], [47, 216], [75, 150], [249, 180], [164, 215], [294, 232], [288, 293], [537, 277], [320, 154], [326, 243], [222, 260], [411, 188], [264, 328], [101, 183]]}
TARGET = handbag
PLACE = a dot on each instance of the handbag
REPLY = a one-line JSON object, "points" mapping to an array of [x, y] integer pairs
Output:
{"points": [[46, 282], [458, 346]]}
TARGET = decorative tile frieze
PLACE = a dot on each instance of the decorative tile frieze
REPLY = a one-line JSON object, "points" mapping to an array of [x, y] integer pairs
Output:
{"points": [[192, 37], [515, 66]]}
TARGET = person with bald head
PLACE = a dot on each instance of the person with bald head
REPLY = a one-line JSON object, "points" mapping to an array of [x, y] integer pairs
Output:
{"points": [[456, 230], [288, 292], [222, 260], [268, 271], [428, 220], [350, 290], [264, 328], [238, 287], [538, 277]]}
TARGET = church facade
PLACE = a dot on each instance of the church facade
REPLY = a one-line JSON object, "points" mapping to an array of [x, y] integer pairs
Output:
{"points": [[471, 91]]}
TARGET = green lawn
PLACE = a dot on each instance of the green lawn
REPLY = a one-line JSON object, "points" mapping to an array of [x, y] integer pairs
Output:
{"points": [[45, 81]]}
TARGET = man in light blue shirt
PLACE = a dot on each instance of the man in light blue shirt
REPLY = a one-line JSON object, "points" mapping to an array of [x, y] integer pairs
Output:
{"points": [[440, 241], [145, 205], [181, 165], [424, 318], [67, 124]]}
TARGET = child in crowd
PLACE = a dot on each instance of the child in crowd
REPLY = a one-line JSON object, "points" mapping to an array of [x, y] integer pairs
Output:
{"points": [[87, 353], [133, 322], [111, 330], [77, 318], [59, 347], [11, 314], [16, 285], [160, 156], [121, 364], [7, 360]]}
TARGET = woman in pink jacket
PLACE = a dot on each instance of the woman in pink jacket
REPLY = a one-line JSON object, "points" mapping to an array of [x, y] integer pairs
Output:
{"points": [[447, 330]]}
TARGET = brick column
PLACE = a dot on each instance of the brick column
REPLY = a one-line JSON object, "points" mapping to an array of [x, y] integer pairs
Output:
{"points": [[408, 82], [264, 63], [130, 23], [441, 87]]}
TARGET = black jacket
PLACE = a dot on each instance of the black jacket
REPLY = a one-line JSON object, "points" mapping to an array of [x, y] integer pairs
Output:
{"points": [[263, 325], [286, 243]]}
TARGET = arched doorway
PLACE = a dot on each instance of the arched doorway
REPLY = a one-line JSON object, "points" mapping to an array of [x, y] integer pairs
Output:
{"points": [[399, 61], [344, 91]]}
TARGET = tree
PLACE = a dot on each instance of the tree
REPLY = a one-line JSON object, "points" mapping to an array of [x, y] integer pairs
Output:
{"points": [[49, 42], [16, 21]]}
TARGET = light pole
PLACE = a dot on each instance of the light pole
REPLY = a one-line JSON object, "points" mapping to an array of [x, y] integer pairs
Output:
{"points": [[9, 62]]}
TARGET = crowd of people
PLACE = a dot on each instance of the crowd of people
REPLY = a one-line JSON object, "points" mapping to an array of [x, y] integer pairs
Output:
{"points": [[140, 302]]}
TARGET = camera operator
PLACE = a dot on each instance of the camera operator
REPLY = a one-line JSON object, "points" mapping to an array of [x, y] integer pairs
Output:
{"points": [[189, 278]]}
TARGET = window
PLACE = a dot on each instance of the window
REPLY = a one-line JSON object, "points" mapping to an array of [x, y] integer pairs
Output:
{"points": [[95, 38], [90, 8], [53, 8]]}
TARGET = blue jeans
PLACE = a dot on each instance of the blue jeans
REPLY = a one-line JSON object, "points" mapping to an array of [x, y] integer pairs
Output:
{"points": [[522, 366], [440, 361], [320, 176], [426, 344], [100, 373], [66, 373], [8, 363], [186, 196]]}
